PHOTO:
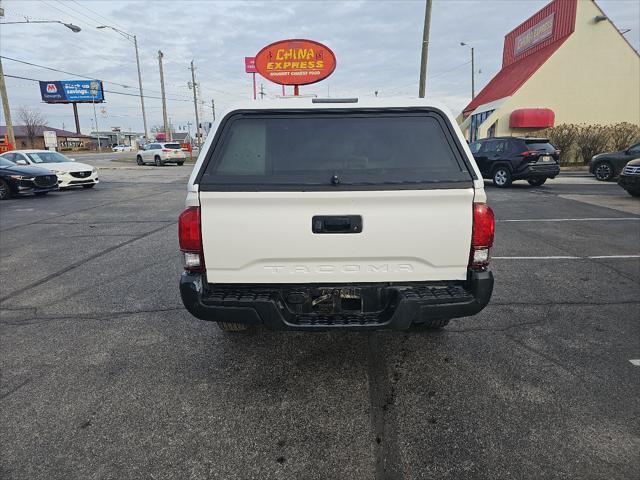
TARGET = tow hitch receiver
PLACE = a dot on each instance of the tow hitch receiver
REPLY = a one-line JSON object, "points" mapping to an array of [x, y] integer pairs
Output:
{"points": [[336, 300]]}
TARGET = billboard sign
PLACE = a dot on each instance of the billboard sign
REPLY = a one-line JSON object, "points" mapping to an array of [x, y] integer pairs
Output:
{"points": [[295, 62], [69, 91], [250, 64], [535, 35]]}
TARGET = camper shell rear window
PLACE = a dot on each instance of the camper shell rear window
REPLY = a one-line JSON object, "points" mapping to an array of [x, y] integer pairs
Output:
{"points": [[335, 149]]}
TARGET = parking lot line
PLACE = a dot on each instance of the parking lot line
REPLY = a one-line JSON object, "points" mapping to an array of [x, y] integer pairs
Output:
{"points": [[636, 362], [599, 219], [567, 257]]}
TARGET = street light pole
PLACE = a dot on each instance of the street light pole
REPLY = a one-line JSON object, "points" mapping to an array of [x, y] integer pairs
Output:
{"points": [[144, 115], [473, 69], [3, 85], [133, 38], [70, 26]]}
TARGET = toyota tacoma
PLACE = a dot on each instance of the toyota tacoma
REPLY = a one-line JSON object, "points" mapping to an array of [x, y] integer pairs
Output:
{"points": [[320, 214]]}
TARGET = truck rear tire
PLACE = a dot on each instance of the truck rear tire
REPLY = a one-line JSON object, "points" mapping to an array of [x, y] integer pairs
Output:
{"points": [[232, 326], [431, 324]]}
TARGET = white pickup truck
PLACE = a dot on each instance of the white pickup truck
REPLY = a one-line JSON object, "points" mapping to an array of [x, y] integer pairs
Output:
{"points": [[317, 214]]}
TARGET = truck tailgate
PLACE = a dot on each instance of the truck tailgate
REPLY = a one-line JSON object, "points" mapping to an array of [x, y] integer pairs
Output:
{"points": [[267, 237]]}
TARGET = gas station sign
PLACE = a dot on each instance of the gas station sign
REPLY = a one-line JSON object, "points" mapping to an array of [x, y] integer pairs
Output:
{"points": [[295, 62], [72, 91]]}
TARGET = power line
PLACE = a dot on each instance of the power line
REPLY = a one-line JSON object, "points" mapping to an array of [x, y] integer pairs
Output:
{"points": [[96, 13], [451, 69], [79, 75], [137, 95], [77, 11], [63, 11], [394, 90]]}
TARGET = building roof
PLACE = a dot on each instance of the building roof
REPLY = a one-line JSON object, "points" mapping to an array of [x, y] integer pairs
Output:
{"points": [[519, 66], [21, 131], [511, 78]]}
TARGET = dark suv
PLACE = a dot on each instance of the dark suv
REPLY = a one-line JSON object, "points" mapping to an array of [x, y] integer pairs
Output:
{"points": [[606, 166], [505, 159]]}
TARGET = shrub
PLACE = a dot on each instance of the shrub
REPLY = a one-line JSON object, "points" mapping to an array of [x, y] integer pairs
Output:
{"points": [[592, 140], [563, 137], [578, 143], [623, 135]]}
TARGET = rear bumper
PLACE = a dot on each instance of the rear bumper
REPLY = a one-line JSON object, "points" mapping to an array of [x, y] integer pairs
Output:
{"points": [[173, 158], [537, 171], [401, 305]]}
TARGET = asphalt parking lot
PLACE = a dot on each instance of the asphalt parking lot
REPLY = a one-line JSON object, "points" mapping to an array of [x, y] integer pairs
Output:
{"points": [[106, 376]]}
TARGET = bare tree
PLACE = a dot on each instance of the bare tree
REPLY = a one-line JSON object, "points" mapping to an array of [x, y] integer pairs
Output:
{"points": [[33, 122]]}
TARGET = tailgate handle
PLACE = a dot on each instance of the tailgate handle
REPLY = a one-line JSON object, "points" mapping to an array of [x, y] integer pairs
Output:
{"points": [[336, 224]]}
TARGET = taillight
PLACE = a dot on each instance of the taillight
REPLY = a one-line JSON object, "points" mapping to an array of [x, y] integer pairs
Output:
{"points": [[526, 153], [191, 239], [482, 236], [166, 150]]}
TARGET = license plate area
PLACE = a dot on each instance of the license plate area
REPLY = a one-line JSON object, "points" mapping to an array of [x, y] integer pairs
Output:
{"points": [[546, 159]]}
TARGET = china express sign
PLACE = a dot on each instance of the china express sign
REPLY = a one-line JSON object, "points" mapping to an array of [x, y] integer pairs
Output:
{"points": [[535, 35], [295, 62]]}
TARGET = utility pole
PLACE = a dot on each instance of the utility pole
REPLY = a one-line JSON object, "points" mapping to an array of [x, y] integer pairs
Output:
{"points": [[425, 49], [262, 94], [5, 108], [144, 114], [167, 134], [195, 103], [213, 109]]}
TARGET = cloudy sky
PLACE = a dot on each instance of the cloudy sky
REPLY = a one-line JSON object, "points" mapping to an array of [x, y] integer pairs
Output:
{"points": [[377, 45]]}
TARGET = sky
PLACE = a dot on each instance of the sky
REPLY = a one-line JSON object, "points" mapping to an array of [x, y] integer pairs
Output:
{"points": [[377, 44]]}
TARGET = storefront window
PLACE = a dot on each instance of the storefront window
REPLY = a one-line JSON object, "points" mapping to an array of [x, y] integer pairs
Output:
{"points": [[476, 121]]}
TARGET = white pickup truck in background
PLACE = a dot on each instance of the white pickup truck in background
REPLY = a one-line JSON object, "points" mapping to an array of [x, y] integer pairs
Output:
{"points": [[315, 214]]}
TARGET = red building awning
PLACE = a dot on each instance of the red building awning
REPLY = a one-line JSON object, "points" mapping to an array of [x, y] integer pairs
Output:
{"points": [[532, 118]]}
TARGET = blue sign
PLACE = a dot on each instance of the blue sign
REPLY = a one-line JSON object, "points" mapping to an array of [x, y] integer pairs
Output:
{"points": [[69, 91]]}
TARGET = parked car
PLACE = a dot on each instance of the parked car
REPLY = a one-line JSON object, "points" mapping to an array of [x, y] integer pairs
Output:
{"points": [[505, 159], [161, 153], [338, 213], [607, 166], [629, 178], [122, 148], [22, 180], [69, 172]]}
